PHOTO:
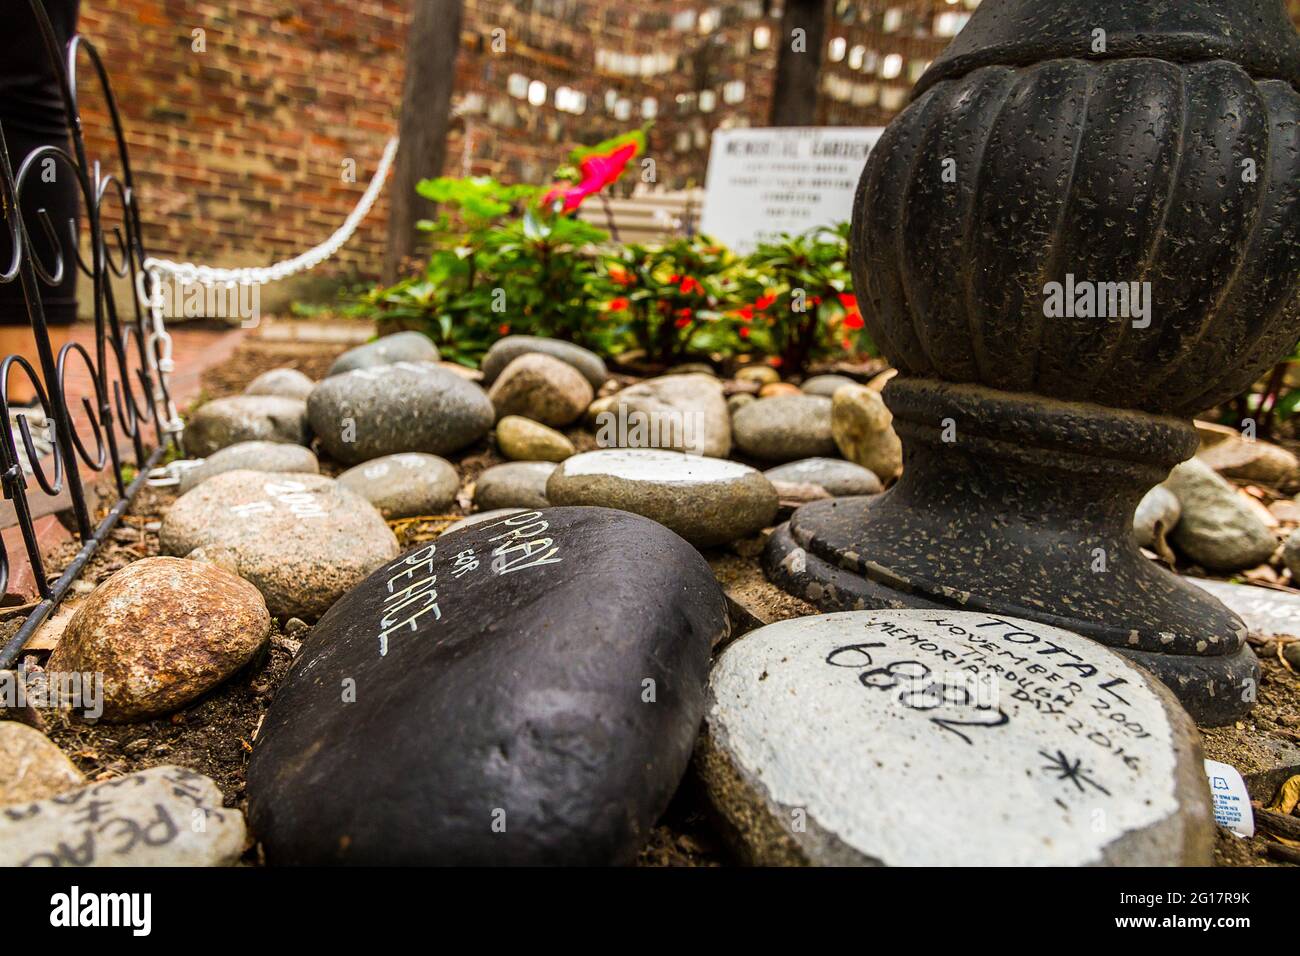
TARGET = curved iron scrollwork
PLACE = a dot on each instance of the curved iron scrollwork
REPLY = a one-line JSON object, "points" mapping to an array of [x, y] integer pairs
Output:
{"points": [[127, 400]]}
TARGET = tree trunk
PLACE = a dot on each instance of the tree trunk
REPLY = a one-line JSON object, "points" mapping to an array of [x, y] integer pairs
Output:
{"points": [[431, 50], [799, 63]]}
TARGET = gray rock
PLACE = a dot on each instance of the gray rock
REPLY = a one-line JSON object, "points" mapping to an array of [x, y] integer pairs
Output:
{"points": [[228, 421], [163, 816], [506, 350], [1228, 453], [1159, 505], [1267, 612], [848, 739], [270, 456], [785, 428], [522, 439], [826, 385], [738, 401], [403, 485], [863, 429], [516, 484], [1219, 528], [837, 476], [31, 766], [760, 374], [673, 412], [406, 406], [288, 382], [478, 518], [400, 347], [302, 540], [1291, 554], [708, 501], [162, 632], [691, 368], [542, 388]]}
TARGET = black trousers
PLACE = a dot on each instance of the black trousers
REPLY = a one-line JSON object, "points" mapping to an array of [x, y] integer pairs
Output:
{"points": [[32, 116]]}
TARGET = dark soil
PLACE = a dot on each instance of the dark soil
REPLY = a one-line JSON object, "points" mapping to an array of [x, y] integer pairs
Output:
{"points": [[215, 736]]}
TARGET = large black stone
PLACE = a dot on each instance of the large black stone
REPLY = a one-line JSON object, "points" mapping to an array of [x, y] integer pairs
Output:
{"points": [[501, 676]]}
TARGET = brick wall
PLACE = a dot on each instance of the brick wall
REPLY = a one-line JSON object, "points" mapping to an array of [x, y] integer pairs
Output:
{"points": [[239, 149]]}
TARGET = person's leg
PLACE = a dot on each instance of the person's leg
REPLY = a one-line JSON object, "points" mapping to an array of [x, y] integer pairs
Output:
{"points": [[32, 116]]}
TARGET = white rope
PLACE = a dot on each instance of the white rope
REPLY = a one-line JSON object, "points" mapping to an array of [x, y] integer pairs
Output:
{"points": [[207, 275], [159, 343]]}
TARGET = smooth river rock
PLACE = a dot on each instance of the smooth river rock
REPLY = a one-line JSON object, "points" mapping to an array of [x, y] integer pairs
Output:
{"points": [[528, 693], [522, 439], [163, 816], [516, 484], [302, 540], [288, 382], [506, 350], [1267, 612], [708, 501], [542, 388], [1159, 506], [273, 456], [228, 421], [388, 350], [826, 385], [673, 412], [406, 406], [1221, 528], [949, 738], [784, 428], [162, 632], [32, 767], [404, 485], [837, 476]]}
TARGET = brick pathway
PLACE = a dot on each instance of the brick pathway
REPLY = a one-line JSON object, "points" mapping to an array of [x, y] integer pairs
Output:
{"points": [[193, 350]]}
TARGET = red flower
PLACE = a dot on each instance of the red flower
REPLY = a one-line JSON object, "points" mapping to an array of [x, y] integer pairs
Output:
{"points": [[774, 361], [503, 329], [684, 317], [617, 305], [853, 320], [850, 302], [621, 275], [815, 300], [746, 314], [597, 172], [744, 331], [690, 285], [764, 301]]}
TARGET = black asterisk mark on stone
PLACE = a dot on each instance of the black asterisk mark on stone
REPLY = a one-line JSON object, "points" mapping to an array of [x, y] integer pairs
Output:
{"points": [[1071, 770]]}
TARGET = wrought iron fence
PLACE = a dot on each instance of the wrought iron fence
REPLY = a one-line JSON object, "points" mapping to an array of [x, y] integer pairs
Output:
{"points": [[129, 337]]}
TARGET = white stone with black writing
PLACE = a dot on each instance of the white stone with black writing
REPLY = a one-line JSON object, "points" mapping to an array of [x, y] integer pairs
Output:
{"points": [[949, 738]]}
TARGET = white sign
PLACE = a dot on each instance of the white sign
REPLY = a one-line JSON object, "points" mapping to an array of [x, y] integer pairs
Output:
{"points": [[1231, 801], [763, 182]]}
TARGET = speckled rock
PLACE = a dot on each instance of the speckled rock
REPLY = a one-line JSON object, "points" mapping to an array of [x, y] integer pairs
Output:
{"points": [[863, 430], [826, 385], [406, 406], [860, 739], [228, 421], [708, 501], [1291, 554], [522, 439], [837, 476], [1220, 528], [32, 767], [288, 382], [516, 484], [1158, 506], [389, 350], [163, 632], [1224, 450], [255, 455], [302, 540], [506, 350], [542, 388], [404, 485], [784, 428], [738, 401], [163, 816], [528, 694], [673, 412]]}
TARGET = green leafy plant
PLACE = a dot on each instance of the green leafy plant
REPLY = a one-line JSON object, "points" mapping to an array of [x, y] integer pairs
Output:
{"points": [[798, 300], [670, 297]]}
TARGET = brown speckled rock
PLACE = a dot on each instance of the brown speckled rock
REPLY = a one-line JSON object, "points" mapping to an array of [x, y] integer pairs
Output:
{"points": [[302, 540], [163, 632], [31, 766], [542, 388], [228, 421]]}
